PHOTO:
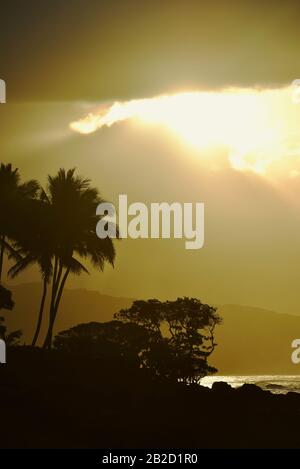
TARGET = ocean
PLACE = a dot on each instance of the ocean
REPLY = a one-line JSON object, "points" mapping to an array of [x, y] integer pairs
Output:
{"points": [[277, 384]]}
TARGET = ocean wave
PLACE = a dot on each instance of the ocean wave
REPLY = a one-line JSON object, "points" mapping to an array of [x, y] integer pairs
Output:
{"points": [[277, 384]]}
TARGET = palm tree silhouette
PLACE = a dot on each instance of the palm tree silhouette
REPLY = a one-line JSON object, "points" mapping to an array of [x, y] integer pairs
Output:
{"points": [[72, 204], [32, 247], [13, 195]]}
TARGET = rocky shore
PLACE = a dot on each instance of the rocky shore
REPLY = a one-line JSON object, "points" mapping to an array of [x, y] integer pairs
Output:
{"points": [[52, 401]]}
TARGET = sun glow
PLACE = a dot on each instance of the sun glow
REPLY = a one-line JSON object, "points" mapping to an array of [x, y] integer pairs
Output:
{"points": [[258, 128]]}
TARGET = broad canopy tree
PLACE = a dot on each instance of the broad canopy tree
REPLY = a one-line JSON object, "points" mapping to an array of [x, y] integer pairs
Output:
{"points": [[171, 339], [182, 335], [113, 340]]}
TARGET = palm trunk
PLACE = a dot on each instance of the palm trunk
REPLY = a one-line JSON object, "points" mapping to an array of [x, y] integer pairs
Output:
{"points": [[40, 318], [55, 283], [61, 289], [2, 249], [54, 309]]}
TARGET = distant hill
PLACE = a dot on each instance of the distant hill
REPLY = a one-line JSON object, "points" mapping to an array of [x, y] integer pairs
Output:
{"points": [[250, 341], [77, 306], [255, 341]]}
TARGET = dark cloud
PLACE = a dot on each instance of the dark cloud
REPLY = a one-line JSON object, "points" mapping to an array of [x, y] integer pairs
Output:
{"points": [[95, 50]]}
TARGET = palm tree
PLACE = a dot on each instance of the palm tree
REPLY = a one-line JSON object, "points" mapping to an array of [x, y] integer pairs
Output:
{"points": [[46, 271], [32, 248], [13, 195], [73, 217], [6, 301]]}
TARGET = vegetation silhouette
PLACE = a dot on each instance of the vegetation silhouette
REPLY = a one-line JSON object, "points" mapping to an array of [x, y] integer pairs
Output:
{"points": [[13, 198], [181, 339], [33, 247], [113, 340], [171, 339], [73, 204], [60, 231], [6, 302]]}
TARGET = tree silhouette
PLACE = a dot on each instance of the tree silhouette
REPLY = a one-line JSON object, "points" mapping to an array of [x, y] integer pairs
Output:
{"points": [[60, 228], [32, 247], [72, 204], [13, 195], [182, 335], [6, 302], [111, 340]]}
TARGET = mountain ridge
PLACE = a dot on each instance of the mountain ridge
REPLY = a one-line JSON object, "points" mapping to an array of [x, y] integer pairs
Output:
{"points": [[251, 340]]}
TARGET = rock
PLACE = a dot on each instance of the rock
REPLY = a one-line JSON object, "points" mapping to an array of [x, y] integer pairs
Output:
{"points": [[274, 386], [252, 390], [221, 387]]}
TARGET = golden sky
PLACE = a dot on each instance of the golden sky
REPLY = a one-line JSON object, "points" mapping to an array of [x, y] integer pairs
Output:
{"points": [[127, 49], [187, 102], [252, 220]]}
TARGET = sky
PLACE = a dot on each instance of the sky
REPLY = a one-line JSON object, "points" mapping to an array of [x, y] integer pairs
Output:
{"points": [[122, 49], [199, 67]]}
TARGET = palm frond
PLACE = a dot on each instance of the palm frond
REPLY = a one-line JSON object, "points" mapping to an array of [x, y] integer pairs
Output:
{"points": [[21, 265]]}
